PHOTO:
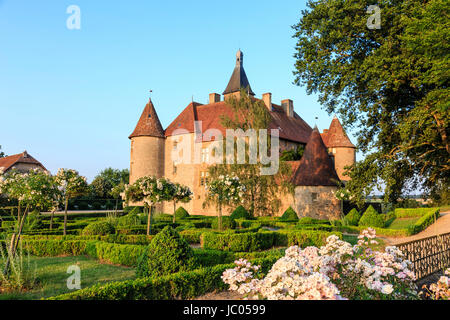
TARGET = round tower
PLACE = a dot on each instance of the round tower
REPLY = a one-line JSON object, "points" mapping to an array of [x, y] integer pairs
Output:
{"points": [[340, 146], [147, 146]]}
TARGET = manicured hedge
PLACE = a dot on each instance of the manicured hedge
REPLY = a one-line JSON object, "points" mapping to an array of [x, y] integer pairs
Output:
{"points": [[426, 220], [182, 285], [123, 254], [257, 241], [411, 213]]}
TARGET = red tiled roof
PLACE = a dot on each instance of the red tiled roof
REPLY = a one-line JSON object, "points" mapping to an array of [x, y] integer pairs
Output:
{"points": [[291, 128], [148, 124], [316, 167], [8, 162], [336, 136]]}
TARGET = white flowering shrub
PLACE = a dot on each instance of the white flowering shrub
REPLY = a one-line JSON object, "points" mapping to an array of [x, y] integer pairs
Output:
{"points": [[439, 290], [335, 271]]}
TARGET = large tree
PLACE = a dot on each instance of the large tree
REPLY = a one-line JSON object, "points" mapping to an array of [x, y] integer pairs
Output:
{"points": [[261, 195], [107, 179], [390, 82]]}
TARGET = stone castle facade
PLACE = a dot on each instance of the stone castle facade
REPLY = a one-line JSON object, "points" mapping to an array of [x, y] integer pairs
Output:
{"points": [[315, 176]]}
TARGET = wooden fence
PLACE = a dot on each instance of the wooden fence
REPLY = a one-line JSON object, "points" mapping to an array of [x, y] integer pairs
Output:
{"points": [[428, 255]]}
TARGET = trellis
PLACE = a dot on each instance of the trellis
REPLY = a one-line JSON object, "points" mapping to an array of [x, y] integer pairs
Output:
{"points": [[428, 255]]}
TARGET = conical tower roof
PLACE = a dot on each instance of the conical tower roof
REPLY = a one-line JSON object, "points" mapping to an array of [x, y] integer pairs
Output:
{"points": [[148, 124], [316, 167], [238, 79], [336, 136]]}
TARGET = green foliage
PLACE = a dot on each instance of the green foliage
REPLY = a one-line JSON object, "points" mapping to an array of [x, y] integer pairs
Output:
{"points": [[181, 213], [256, 241], [424, 221], [391, 83], [167, 253], [294, 154], [371, 218], [240, 213], [184, 285], [289, 215], [227, 223], [352, 218], [410, 213], [106, 180], [98, 228], [309, 220], [129, 220]]}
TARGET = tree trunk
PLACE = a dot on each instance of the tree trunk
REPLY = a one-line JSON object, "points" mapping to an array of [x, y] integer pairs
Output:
{"points": [[15, 241], [149, 220], [51, 219], [220, 218], [174, 209], [65, 215]]}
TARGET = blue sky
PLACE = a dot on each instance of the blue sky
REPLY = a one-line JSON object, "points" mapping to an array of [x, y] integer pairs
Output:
{"points": [[72, 97]]}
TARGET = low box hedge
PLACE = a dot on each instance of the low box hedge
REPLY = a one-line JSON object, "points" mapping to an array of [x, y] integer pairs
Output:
{"points": [[182, 285], [414, 212], [257, 241]]}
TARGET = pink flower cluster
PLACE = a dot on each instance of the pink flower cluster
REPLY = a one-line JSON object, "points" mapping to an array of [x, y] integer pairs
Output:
{"points": [[441, 289], [329, 272]]}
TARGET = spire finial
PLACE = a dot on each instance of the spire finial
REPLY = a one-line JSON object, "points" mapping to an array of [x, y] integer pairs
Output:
{"points": [[239, 57]]}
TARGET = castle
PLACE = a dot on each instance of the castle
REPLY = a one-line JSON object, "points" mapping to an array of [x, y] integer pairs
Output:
{"points": [[315, 176]]}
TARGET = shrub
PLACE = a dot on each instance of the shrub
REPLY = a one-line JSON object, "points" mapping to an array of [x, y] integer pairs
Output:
{"points": [[411, 213], [424, 221], [133, 209], [227, 223], [371, 218], [98, 228], [289, 215], [167, 253], [181, 213], [240, 213], [309, 220], [129, 220], [352, 218], [184, 285]]}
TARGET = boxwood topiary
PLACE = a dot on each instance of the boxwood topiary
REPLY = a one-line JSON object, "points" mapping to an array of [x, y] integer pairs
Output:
{"points": [[101, 228], [371, 218], [352, 218], [181, 213], [289, 215], [240, 213], [167, 253], [227, 223]]}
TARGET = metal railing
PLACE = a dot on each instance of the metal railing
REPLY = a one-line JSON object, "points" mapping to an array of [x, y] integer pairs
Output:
{"points": [[428, 255]]}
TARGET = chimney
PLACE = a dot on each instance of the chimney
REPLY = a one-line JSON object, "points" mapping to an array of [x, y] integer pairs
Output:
{"points": [[214, 97], [267, 98], [288, 107]]}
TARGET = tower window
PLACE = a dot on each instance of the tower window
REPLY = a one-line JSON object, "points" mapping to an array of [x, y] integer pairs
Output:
{"points": [[314, 196], [204, 175], [205, 155]]}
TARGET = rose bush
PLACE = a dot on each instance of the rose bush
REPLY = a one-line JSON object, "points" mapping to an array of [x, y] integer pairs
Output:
{"points": [[334, 271]]}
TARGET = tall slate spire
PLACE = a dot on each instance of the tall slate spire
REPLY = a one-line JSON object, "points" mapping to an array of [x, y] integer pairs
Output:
{"points": [[238, 79], [148, 124], [316, 167]]}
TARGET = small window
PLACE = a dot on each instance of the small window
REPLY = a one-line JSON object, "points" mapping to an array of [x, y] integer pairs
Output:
{"points": [[205, 155], [174, 171], [314, 196], [204, 178]]}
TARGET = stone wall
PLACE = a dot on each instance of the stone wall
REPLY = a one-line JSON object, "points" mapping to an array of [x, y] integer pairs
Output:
{"points": [[317, 202]]}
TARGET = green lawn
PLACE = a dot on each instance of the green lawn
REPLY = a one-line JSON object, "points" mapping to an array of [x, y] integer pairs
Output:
{"points": [[402, 223], [52, 276]]}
